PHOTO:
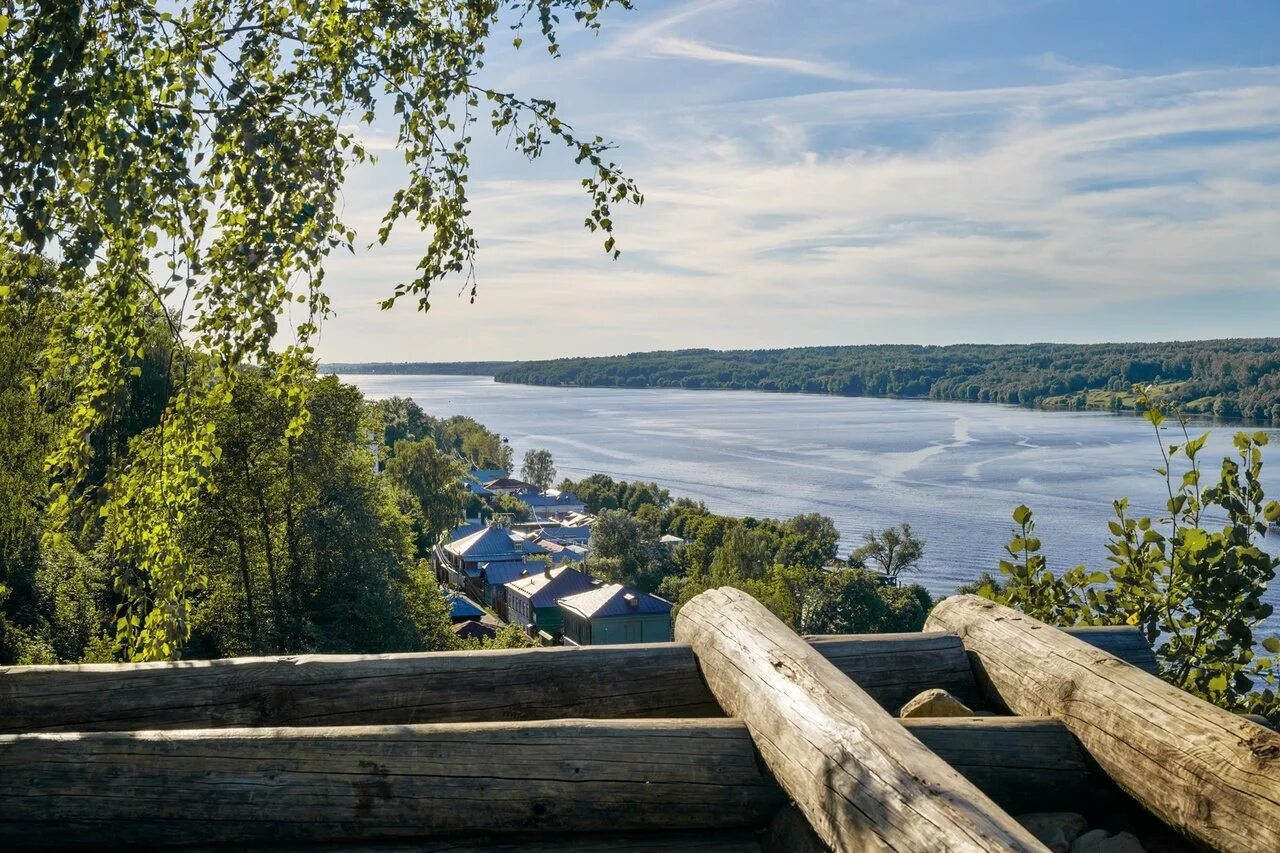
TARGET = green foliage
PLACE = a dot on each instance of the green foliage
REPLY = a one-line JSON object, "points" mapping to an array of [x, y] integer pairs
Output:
{"points": [[192, 155], [1194, 589], [512, 506], [539, 469], [1231, 378], [600, 492], [625, 550], [432, 486], [892, 551], [301, 545]]}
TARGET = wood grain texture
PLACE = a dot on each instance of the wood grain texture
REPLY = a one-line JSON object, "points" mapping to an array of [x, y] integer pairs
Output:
{"points": [[604, 682], [1203, 770], [893, 668], [272, 786], [648, 842], [860, 778], [1024, 764]]}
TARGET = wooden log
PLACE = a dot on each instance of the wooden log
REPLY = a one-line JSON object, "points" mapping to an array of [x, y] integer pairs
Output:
{"points": [[1204, 771], [648, 842], [379, 782], [893, 668], [1024, 764], [602, 682], [860, 778], [1123, 641]]}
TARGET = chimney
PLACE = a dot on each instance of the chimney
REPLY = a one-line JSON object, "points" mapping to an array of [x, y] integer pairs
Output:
{"points": [[631, 601]]}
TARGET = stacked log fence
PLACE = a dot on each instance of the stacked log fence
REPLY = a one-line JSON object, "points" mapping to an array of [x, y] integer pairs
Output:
{"points": [[740, 736]]}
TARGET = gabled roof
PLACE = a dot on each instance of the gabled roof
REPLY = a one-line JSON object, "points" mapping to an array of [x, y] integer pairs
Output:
{"points": [[565, 535], [668, 539], [476, 488], [487, 543], [472, 630], [546, 501], [460, 606], [509, 483], [544, 588], [497, 574], [614, 600], [464, 530]]}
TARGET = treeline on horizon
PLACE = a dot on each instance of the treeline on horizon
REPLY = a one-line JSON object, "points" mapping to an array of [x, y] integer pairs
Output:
{"points": [[1236, 378], [418, 368]]}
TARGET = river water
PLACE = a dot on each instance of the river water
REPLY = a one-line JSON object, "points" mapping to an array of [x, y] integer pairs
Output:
{"points": [[955, 471]]}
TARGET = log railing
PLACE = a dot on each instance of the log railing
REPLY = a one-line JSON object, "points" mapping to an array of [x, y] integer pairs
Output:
{"points": [[318, 751], [600, 682]]}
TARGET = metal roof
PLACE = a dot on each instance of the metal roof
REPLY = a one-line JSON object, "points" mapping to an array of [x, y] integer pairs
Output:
{"points": [[614, 600], [544, 588], [487, 543]]}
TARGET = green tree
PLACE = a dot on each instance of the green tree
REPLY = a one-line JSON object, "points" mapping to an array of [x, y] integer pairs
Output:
{"points": [[209, 142], [433, 484], [1194, 589], [539, 469], [892, 551]]}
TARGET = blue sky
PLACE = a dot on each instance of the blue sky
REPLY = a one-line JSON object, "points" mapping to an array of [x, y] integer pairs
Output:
{"points": [[865, 172]]}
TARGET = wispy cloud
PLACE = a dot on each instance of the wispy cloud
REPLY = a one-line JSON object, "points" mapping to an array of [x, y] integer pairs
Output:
{"points": [[683, 48], [1104, 203]]}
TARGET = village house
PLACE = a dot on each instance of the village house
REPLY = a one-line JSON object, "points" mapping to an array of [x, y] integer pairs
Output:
{"points": [[485, 560], [462, 608], [614, 614], [509, 486], [531, 601]]}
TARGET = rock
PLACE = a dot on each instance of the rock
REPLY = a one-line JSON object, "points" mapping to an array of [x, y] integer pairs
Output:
{"points": [[1098, 841], [935, 703], [1056, 830]]}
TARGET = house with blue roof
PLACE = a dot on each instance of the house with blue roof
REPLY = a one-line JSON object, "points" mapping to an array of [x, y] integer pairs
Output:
{"points": [[490, 552], [462, 608], [532, 600], [614, 614]]}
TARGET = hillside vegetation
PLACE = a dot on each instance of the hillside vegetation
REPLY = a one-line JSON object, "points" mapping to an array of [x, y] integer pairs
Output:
{"points": [[1227, 378]]}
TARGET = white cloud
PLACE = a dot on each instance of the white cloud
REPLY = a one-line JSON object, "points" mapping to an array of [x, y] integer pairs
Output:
{"points": [[683, 48]]}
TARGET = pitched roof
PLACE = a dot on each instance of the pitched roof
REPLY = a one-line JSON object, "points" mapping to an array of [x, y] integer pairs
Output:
{"points": [[464, 530], [614, 600], [472, 630], [544, 588], [487, 543], [484, 475], [460, 606], [497, 574], [509, 483]]}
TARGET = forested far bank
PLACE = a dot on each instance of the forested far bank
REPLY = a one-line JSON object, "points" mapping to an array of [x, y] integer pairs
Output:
{"points": [[418, 368], [1235, 378]]}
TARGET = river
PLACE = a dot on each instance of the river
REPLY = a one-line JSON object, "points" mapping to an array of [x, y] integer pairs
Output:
{"points": [[955, 471]]}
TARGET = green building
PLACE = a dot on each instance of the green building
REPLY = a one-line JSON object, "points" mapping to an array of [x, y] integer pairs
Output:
{"points": [[532, 600], [614, 614]]}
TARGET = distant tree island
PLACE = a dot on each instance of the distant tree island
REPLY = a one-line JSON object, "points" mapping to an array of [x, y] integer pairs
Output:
{"points": [[1235, 378]]}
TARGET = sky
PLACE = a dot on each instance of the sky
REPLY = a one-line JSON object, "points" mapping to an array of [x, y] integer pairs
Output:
{"points": [[850, 171]]}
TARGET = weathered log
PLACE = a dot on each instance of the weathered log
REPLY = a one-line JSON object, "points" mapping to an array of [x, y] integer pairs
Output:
{"points": [[860, 778], [603, 682], [1024, 764], [648, 842], [895, 667], [1203, 770], [379, 782], [1123, 641]]}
